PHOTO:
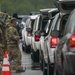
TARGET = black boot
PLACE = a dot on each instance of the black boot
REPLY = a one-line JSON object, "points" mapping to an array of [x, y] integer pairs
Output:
{"points": [[20, 70]]}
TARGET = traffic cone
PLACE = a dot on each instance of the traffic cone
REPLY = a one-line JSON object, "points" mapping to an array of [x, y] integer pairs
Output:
{"points": [[6, 65]]}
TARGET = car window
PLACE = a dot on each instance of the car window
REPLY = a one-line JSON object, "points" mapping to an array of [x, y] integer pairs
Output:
{"points": [[69, 28], [57, 24], [63, 22], [37, 23], [40, 22], [44, 23], [32, 23], [54, 21], [48, 28], [28, 22], [24, 19]]}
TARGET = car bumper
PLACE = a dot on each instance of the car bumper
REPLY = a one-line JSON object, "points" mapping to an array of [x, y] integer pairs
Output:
{"points": [[51, 55], [29, 40], [37, 45], [70, 60]]}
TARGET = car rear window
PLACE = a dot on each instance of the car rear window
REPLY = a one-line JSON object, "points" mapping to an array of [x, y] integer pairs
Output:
{"points": [[32, 23], [68, 6], [44, 23], [69, 28]]}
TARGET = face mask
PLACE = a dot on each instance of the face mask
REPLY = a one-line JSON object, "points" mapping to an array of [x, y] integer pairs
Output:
{"points": [[3, 20]]}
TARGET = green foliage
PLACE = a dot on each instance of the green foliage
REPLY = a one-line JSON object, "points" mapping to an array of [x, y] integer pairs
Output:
{"points": [[24, 6]]}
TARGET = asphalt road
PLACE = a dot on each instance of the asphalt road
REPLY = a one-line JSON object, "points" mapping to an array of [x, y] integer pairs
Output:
{"points": [[27, 62]]}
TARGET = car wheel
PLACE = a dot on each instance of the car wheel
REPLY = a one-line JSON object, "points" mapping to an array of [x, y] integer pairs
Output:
{"points": [[35, 56], [23, 48], [44, 68], [27, 49], [50, 69]]}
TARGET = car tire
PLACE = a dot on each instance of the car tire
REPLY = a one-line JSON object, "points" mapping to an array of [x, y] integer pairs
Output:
{"points": [[50, 69], [27, 50], [44, 68], [34, 56], [23, 48]]}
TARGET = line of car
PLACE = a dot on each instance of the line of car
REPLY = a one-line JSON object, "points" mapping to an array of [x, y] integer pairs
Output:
{"points": [[50, 36]]}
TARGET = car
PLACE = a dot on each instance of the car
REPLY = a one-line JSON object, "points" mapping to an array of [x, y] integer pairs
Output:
{"points": [[21, 26], [51, 41], [52, 12], [39, 26], [65, 50], [27, 33]]}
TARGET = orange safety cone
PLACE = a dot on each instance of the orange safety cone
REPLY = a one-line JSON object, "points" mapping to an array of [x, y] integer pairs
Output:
{"points": [[6, 65]]}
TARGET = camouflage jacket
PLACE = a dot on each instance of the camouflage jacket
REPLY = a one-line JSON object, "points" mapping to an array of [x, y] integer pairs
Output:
{"points": [[1, 39], [12, 36]]}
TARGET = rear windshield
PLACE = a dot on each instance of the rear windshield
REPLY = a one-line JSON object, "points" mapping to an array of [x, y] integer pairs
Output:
{"points": [[70, 23], [68, 6], [32, 23], [63, 23], [44, 23]]}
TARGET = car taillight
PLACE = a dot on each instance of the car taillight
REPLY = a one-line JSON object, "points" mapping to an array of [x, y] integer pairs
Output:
{"points": [[37, 38], [72, 42], [28, 33], [53, 42]]}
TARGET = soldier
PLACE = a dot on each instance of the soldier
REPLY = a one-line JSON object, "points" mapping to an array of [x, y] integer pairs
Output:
{"points": [[1, 46], [1, 40], [3, 21], [12, 37]]}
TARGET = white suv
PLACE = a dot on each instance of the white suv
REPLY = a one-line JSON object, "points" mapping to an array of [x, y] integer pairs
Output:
{"points": [[40, 24], [51, 41], [52, 12], [27, 33]]}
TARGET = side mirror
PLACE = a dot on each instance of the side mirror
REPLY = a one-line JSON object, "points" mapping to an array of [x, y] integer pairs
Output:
{"points": [[29, 29], [55, 33]]}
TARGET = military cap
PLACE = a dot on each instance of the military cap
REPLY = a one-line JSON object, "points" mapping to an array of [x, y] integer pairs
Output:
{"points": [[13, 19]]}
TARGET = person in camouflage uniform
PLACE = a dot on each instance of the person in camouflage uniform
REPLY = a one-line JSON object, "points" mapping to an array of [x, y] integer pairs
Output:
{"points": [[4, 26], [1, 46], [12, 37], [1, 39]]}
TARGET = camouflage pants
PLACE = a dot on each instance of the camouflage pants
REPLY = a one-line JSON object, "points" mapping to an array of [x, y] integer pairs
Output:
{"points": [[1, 54], [15, 55]]}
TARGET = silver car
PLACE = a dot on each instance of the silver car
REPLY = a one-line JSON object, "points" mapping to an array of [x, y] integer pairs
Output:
{"points": [[65, 51]]}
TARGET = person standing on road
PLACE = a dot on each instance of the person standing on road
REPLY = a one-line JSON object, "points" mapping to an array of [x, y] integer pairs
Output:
{"points": [[4, 21], [12, 37], [1, 39]]}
